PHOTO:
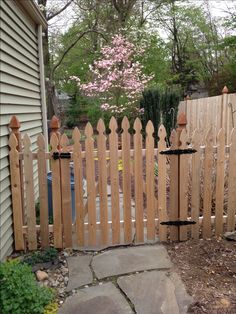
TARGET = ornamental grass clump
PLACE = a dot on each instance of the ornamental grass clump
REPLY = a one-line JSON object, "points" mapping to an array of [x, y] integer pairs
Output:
{"points": [[19, 291]]}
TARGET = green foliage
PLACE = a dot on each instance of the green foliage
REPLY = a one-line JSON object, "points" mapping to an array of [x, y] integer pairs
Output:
{"points": [[160, 106], [51, 308], [19, 290], [47, 255]]}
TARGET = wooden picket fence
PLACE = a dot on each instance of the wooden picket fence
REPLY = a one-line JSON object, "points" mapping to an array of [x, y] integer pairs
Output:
{"points": [[199, 187]]}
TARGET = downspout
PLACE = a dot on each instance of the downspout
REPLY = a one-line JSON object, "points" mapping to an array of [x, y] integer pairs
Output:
{"points": [[42, 87]]}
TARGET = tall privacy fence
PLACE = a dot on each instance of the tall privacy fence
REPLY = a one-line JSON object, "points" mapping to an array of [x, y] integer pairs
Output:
{"points": [[118, 188], [211, 112]]}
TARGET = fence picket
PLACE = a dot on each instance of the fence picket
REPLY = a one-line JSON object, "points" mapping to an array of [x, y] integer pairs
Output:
{"points": [[16, 194], [126, 180], [102, 181], [196, 172], [78, 179], [183, 188], [232, 184], [66, 193], [114, 177], [174, 195], [220, 174], [29, 192], [162, 210], [43, 192], [91, 189], [150, 181], [56, 194], [138, 179], [207, 192]]}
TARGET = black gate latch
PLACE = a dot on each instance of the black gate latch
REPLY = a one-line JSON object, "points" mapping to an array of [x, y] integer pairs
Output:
{"points": [[57, 155]]}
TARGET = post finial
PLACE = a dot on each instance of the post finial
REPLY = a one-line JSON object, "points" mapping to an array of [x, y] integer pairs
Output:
{"points": [[14, 123], [55, 123], [182, 120], [225, 90]]}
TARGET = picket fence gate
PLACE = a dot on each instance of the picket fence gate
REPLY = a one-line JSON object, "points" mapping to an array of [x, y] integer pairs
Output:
{"points": [[150, 188]]}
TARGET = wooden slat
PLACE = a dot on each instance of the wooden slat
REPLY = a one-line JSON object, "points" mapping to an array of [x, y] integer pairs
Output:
{"points": [[195, 191], [138, 179], [183, 186], [162, 210], [207, 186], [66, 194], [43, 192], [126, 180], [91, 190], [220, 175], [174, 182], [150, 181], [114, 177], [232, 184], [78, 188], [56, 194], [102, 181], [16, 194], [29, 192]]}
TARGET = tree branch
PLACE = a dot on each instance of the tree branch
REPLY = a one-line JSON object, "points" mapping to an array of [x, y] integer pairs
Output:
{"points": [[52, 15]]}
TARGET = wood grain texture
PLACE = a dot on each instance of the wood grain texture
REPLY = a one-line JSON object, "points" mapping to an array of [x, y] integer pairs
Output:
{"points": [[126, 180], [66, 194], [232, 184], [138, 179], [56, 194], [102, 181], [220, 180], [16, 194], [207, 185], [78, 188], [43, 192], [114, 177], [29, 192], [162, 209], [91, 189]]}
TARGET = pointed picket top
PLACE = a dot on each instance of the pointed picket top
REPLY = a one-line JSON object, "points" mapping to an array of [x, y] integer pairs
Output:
{"points": [[113, 124], [26, 141], [88, 130], [196, 138], [162, 132], [233, 137], [137, 125], [174, 139], [220, 138], [14, 123], [101, 126], [183, 138], [41, 142], [64, 142], [150, 128], [54, 142], [76, 135], [125, 124], [209, 138], [225, 90], [13, 143]]}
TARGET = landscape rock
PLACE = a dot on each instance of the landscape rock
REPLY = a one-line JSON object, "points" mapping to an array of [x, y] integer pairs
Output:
{"points": [[41, 275]]}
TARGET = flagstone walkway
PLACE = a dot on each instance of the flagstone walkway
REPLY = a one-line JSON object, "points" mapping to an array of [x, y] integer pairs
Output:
{"points": [[136, 279]]}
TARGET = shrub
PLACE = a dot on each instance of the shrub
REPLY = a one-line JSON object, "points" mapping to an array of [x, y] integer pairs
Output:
{"points": [[44, 256], [19, 290]]}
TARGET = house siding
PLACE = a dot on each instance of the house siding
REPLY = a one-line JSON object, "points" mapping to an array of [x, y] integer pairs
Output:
{"points": [[20, 95]]}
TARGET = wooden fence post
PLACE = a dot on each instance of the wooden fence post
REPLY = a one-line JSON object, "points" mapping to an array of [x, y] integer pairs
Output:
{"points": [[182, 122], [55, 126], [225, 113]]}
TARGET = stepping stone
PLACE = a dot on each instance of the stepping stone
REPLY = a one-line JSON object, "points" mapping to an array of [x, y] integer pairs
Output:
{"points": [[79, 271], [103, 299], [128, 260], [156, 292]]}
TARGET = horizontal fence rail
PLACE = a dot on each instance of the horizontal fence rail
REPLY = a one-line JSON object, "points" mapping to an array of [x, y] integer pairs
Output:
{"points": [[123, 188]]}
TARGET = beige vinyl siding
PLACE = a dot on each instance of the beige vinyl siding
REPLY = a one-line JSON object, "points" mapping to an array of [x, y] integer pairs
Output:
{"points": [[20, 95]]}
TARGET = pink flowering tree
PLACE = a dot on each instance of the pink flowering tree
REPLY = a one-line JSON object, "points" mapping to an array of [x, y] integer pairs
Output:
{"points": [[117, 79]]}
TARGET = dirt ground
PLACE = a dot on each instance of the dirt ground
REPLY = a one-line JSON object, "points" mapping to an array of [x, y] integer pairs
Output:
{"points": [[208, 269]]}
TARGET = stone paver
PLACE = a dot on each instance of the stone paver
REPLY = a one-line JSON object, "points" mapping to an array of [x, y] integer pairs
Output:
{"points": [[79, 271], [127, 260], [101, 299], [156, 292]]}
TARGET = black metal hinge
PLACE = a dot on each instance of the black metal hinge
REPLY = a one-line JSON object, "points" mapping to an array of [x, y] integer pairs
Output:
{"points": [[178, 151], [57, 155], [178, 223]]}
